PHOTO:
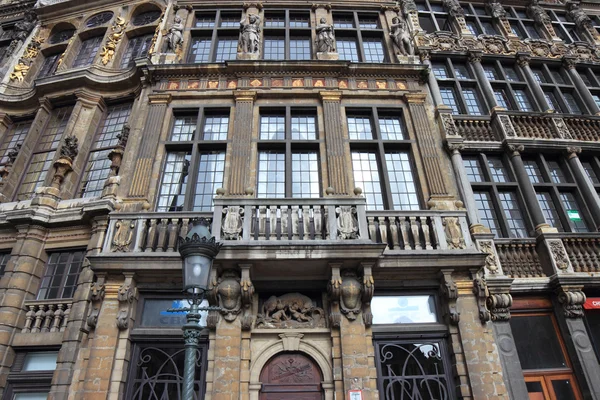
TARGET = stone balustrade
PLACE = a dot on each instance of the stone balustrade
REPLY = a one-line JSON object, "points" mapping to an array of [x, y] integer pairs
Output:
{"points": [[419, 230], [519, 258], [584, 252], [476, 129], [529, 126], [584, 128], [46, 315]]}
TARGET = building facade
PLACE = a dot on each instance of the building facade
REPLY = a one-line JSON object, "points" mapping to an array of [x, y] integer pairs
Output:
{"points": [[406, 193]]}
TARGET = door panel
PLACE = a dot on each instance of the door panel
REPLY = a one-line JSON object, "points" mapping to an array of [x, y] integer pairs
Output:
{"points": [[291, 376]]}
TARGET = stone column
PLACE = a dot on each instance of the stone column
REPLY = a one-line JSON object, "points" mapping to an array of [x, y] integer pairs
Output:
{"points": [[537, 216], [570, 63], [86, 116], [464, 187], [588, 191], [479, 347], [29, 260], [157, 112], [241, 147], [488, 91], [338, 151], [351, 294], [11, 183], [428, 147], [523, 61], [434, 89], [569, 300]]}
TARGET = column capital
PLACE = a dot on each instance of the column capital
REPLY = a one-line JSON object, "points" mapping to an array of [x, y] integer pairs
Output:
{"points": [[513, 150], [418, 98], [523, 59], [569, 62], [162, 98], [334, 95], [257, 4], [454, 148], [573, 151], [326, 6], [45, 104], [245, 95], [424, 55], [475, 56], [571, 298], [90, 99]]}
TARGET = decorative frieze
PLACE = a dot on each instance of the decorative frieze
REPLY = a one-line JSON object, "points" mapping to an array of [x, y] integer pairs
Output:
{"points": [[291, 310], [31, 52]]}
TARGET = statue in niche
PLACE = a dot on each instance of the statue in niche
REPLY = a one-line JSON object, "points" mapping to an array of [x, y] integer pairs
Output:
{"points": [[291, 310], [174, 39], [250, 39], [325, 37], [401, 37]]}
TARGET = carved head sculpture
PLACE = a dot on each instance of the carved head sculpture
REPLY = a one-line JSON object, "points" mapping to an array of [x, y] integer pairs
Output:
{"points": [[177, 19], [323, 20], [252, 19]]}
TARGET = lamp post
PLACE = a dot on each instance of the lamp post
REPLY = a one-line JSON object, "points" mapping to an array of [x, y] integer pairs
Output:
{"points": [[198, 250]]}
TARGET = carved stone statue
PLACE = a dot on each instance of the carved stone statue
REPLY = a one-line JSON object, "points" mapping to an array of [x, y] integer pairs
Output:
{"points": [[537, 13], [250, 39], [496, 9], [454, 8], [401, 37], [409, 6], [13, 153], [290, 310], [579, 16], [69, 149], [24, 27], [174, 39], [325, 37]]}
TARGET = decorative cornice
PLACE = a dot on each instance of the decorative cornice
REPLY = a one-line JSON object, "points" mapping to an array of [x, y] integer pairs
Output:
{"points": [[415, 97], [330, 96], [159, 98]]}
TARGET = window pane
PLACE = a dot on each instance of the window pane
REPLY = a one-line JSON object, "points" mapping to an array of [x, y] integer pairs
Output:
{"points": [[205, 20], [96, 172], [40, 361], [299, 20], [511, 74], [305, 175], [538, 75], [87, 52], [49, 66], [184, 128], [549, 210], [366, 177], [174, 181], [563, 389], [226, 49], [343, 21], [501, 98], [391, 128], [274, 21], [533, 171], [403, 309], [347, 49], [31, 396], [461, 71], [4, 258], [373, 50], [304, 128], [498, 170], [138, 47], [272, 127], [474, 172], [514, 217], [359, 128], [523, 100], [368, 22], [60, 277], [16, 136], [210, 177], [573, 212], [440, 71], [230, 20], [487, 213], [40, 164], [216, 127], [572, 103], [591, 173], [271, 175], [402, 185], [300, 48], [449, 99], [112, 125], [200, 50], [155, 314], [556, 173], [537, 342], [472, 101], [274, 48], [552, 102], [490, 73]]}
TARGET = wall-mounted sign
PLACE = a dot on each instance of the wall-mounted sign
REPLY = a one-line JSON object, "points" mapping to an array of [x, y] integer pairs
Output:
{"points": [[592, 303], [355, 395], [574, 215]]}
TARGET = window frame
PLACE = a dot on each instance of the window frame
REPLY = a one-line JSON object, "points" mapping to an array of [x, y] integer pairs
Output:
{"points": [[19, 381], [63, 282], [196, 146], [215, 34], [82, 63], [143, 42], [458, 84], [510, 86], [287, 32], [558, 89], [359, 35]]}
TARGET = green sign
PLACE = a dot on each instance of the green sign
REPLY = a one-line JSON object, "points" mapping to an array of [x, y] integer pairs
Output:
{"points": [[574, 215]]}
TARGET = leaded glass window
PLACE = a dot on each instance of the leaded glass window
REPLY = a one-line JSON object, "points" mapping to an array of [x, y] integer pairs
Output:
{"points": [[87, 51], [61, 274]]}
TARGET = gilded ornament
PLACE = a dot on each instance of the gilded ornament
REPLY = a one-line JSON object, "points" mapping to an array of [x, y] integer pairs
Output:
{"points": [[118, 30]]}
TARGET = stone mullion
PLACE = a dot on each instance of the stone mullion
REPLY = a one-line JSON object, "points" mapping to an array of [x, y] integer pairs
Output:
{"points": [[532, 83], [569, 64], [338, 151], [29, 261], [19, 167], [588, 191], [427, 146], [146, 154], [241, 147]]}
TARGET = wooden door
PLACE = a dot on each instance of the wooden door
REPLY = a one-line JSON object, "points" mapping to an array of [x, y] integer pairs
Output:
{"points": [[291, 376]]}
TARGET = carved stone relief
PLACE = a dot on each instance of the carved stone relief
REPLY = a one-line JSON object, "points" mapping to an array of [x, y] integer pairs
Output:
{"points": [[572, 301], [454, 236], [491, 261], [347, 224], [481, 294], [123, 236], [559, 254], [118, 31], [291, 310], [449, 292], [499, 306], [231, 228], [126, 294]]}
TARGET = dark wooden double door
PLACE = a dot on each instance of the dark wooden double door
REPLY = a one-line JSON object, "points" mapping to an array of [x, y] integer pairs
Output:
{"points": [[291, 376]]}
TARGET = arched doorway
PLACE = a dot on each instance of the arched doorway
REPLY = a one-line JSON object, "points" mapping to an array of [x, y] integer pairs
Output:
{"points": [[291, 376]]}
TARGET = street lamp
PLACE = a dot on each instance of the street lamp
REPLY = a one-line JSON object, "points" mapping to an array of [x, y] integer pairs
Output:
{"points": [[198, 250]]}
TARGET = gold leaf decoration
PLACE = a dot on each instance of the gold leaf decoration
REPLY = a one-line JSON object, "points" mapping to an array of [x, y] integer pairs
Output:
{"points": [[118, 30]]}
